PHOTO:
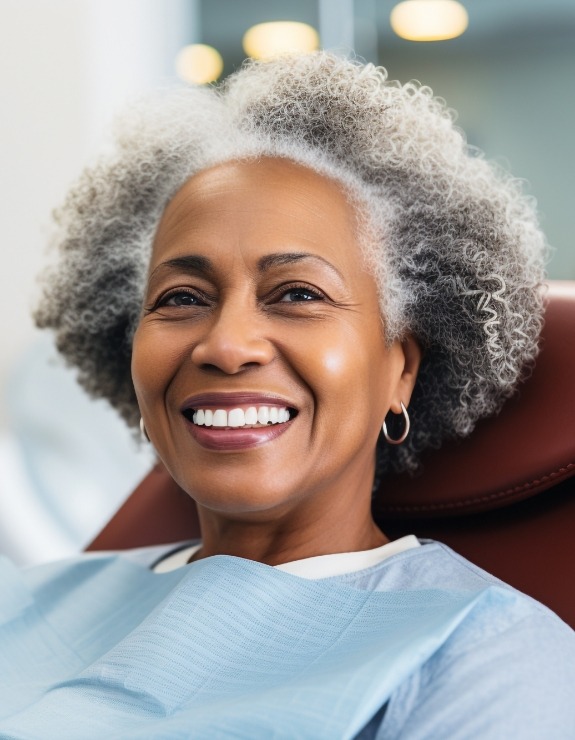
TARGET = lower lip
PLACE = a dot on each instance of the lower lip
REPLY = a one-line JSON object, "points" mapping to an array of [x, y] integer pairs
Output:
{"points": [[226, 440]]}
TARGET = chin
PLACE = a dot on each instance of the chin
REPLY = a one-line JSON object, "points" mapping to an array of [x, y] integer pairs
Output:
{"points": [[245, 505]]}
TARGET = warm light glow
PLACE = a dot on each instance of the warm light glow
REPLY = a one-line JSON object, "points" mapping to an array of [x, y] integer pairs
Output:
{"points": [[199, 64], [271, 39], [429, 20]]}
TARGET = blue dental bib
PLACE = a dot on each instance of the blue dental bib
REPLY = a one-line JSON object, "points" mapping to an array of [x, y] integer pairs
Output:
{"points": [[225, 647]]}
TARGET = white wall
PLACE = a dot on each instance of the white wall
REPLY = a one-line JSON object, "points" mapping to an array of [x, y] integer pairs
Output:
{"points": [[65, 67]]}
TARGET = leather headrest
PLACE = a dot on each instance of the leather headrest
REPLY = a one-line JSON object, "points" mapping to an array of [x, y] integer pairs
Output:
{"points": [[527, 448]]}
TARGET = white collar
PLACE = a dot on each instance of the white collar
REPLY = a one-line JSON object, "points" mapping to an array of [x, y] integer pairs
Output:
{"points": [[319, 566]]}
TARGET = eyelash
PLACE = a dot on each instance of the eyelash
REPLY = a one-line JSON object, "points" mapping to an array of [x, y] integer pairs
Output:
{"points": [[303, 288], [163, 300], [278, 294]]}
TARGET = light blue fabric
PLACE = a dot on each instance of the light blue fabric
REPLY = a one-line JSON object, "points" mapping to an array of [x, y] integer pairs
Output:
{"points": [[102, 647]]}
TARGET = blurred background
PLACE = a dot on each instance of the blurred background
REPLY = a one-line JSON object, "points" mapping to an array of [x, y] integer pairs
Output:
{"points": [[66, 66]]}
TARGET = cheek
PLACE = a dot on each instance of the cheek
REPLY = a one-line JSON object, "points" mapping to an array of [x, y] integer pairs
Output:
{"points": [[142, 375], [154, 363], [344, 370], [335, 363]]}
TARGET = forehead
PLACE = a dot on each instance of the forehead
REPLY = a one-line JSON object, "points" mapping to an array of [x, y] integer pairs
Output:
{"points": [[257, 207]]}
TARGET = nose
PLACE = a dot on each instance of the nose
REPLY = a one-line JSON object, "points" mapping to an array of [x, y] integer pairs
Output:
{"points": [[233, 341]]}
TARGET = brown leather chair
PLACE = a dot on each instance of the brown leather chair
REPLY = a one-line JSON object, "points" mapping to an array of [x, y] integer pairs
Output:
{"points": [[504, 497]]}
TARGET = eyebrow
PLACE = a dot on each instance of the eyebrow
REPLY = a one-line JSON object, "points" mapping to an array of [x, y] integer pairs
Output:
{"points": [[288, 258], [190, 263], [194, 263]]}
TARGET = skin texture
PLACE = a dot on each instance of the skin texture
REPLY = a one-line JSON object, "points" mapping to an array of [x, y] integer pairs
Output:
{"points": [[304, 330]]}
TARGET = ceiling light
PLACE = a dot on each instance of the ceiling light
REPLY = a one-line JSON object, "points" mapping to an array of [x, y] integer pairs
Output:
{"points": [[199, 64], [271, 39], [429, 20]]}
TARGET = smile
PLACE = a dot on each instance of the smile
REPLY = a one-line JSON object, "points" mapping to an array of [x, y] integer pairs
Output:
{"points": [[252, 417], [230, 422]]}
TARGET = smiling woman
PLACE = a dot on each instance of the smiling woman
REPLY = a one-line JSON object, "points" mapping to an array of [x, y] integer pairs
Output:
{"points": [[257, 304], [263, 277]]}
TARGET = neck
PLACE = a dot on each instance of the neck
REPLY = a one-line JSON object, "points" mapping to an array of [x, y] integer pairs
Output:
{"points": [[273, 538]]}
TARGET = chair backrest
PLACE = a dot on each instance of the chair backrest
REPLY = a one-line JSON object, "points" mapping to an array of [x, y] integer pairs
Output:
{"points": [[504, 497]]}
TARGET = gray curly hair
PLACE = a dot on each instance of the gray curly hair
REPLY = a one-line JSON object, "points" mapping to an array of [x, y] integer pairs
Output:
{"points": [[452, 241]]}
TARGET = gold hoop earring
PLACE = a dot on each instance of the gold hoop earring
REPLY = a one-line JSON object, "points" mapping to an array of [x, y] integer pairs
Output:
{"points": [[143, 430], [405, 431]]}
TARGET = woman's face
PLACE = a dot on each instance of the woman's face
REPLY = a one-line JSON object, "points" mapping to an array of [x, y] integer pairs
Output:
{"points": [[257, 300]]}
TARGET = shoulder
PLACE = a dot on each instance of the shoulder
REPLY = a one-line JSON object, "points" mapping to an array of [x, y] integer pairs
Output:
{"points": [[63, 575], [507, 670], [490, 683], [432, 566]]}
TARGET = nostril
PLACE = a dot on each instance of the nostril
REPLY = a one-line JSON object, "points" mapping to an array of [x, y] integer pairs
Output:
{"points": [[210, 368], [213, 369]]}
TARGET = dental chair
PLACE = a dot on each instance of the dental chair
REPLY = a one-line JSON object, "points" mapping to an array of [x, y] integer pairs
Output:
{"points": [[504, 497]]}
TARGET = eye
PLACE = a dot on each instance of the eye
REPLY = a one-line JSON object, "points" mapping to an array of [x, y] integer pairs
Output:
{"points": [[181, 299], [300, 294]]}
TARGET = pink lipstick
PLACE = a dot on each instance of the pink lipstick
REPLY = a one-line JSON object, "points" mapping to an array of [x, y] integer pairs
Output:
{"points": [[236, 421]]}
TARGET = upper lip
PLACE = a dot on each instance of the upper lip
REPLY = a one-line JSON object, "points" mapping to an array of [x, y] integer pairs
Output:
{"points": [[231, 400]]}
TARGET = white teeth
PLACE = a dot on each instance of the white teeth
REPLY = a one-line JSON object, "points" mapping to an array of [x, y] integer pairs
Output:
{"points": [[263, 415], [220, 418], [236, 418], [253, 416]]}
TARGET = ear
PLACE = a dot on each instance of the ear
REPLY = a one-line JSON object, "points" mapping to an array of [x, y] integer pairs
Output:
{"points": [[410, 354]]}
